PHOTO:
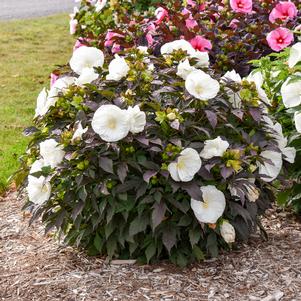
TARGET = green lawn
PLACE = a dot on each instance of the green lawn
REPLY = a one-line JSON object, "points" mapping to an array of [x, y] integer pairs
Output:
{"points": [[29, 51]]}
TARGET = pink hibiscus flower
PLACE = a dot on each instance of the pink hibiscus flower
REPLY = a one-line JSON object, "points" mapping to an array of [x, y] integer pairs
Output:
{"points": [[201, 44], [284, 10], [280, 38], [242, 6]]}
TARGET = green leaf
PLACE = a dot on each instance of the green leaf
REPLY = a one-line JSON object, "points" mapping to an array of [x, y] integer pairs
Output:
{"points": [[111, 246], [212, 244], [169, 237], [194, 236], [198, 253], [138, 225], [158, 214], [77, 210], [283, 197], [97, 242], [150, 252], [83, 193], [184, 221]]}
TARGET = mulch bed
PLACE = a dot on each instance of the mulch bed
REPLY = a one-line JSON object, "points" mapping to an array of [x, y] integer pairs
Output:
{"points": [[36, 267]]}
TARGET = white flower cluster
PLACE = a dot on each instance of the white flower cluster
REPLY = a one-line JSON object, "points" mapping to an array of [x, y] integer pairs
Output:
{"points": [[291, 88], [184, 169], [39, 188], [48, 98], [83, 62]]}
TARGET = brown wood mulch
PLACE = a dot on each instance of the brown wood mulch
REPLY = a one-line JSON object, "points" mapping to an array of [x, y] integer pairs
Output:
{"points": [[35, 267]]}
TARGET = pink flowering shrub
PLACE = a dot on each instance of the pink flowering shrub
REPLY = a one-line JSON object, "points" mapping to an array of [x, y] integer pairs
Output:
{"points": [[233, 33]]}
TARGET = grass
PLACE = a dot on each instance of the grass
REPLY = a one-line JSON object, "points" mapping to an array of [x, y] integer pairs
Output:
{"points": [[29, 51]]}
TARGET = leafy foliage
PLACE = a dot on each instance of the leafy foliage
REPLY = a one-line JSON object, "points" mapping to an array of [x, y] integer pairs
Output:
{"points": [[276, 71], [118, 199], [236, 38]]}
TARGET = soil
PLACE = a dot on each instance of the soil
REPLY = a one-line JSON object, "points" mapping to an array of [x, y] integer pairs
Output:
{"points": [[36, 267]]}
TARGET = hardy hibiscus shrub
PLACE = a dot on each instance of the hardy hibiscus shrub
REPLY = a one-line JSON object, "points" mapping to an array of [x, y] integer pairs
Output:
{"points": [[152, 157], [232, 32], [281, 75]]}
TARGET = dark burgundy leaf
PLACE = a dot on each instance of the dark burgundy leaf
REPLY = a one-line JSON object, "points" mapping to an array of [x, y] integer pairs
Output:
{"points": [[106, 164], [212, 118], [169, 237], [122, 171], [158, 214], [148, 175], [226, 172]]}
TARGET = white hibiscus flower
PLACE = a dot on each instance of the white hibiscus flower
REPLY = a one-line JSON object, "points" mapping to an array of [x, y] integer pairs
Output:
{"points": [[214, 148], [99, 6], [47, 99], [212, 207], [231, 76], [257, 78], [42, 106], [234, 97], [295, 55], [111, 123], [137, 119], [227, 232], [269, 171], [291, 93], [60, 86], [118, 68], [38, 189], [186, 166], [52, 152], [88, 76], [201, 85], [78, 134], [201, 57], [170, 47], [184, 69], [37, 166], [276, 132], [297, 120], [86, 57]]}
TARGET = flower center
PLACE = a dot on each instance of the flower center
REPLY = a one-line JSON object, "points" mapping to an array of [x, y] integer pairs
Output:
{"points": [[240, 5], [181, 164], [44, 188], [205, 203], [199, 89], [111, 123], [280, 40]]}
